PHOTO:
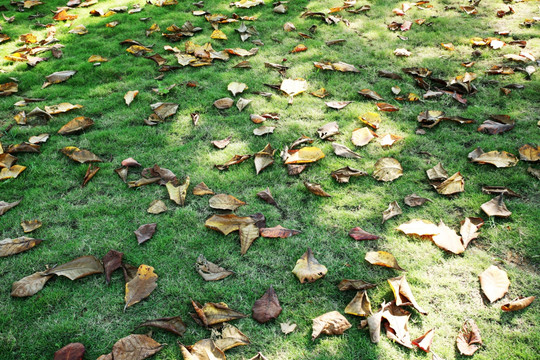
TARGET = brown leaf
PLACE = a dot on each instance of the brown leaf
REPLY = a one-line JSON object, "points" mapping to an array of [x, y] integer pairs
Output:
{"points": [[372, 119], [331, 323], [344, 174], [359, 234], [145, 232], [424, 341], [396, 324], [403, 293], [130, 95], [316, 189], [448, 239], [438, 172], [172, 324], [80, 155], [201, 189], [468, 339], [393, 210], [156, 207], [328, 130], [287, 328], [343, 151], [90, 172], [58, 77], [24, 147], [227, 223], [178, 193], [430, 118], [370, 94], [529, 153], [140, 182], [266, 195], [11, 173], [73, 351], [229, 337], [8, 88], [165, 175], [387, 107], [135, 347], [215, 313], [111, 261], [308, 269], [349, 284], [382, 258], [141, 286], [164, 110], [222, 144], [494, 283], [387, 169], [264, 158], [497, 190], [359, 305], [224, 103], [31, 225], [421, 228], [7, 160], [267, 307], [278, 232], [518, 304], [29, 285], [130, 162], [202, 350], [78, 268], [338, 105], [248, 234], [236, 159], [225, 202], [374, 324], [497, 125], [210, 271], [415, 200], [453, 185], [496, 207], [10, 247], [469, 229], [497, 158], [61, 108]]}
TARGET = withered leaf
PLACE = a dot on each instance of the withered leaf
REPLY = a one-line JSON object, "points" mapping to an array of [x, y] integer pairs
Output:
{"points": [[73, 351], [145, 232], [308, 269], [286, 328], [5, 206], [393, 210], [359, 234], [497, 125], [403, 293], [227, 223], [210, 271], [264, 158], [331, 323], [328, 130], [31, 225], [386, 107], [316, 189], [264, 130], [415, 200], [11, 172], [338, 105], [7, 160], [215, 313], [468, 339], [278, 232], [438, 172], [529, 153], [266, 195], [130, 95], [453, 185], [80, 155], [58, 77], [157, 207], [494, 283], [164, 110], [518, 304], [178, 193], [202, 350], [349, 284], [305, 155], [497, 158], [383, 258], [222, 144], [236, 159], [496, 207], [236, 88], [343, 151], [38, 139], [372, 119], [469, 230], [229, 337], [224, 103], [359, 305], [201, 189], [112, 261], [387, 169], [362, 136], [78, 268], [141, 286], [370, 94], [140, 182], [10, 247], [29, 285], [267, 307], [344, 174], [242, 103], [448, 239], [135, 347], [61, 108], [430, 118], [172, 324], [225, 202], [424, 341]]}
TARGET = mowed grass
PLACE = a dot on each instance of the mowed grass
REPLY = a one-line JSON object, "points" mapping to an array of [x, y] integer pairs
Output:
{"points": [[103, 215]]}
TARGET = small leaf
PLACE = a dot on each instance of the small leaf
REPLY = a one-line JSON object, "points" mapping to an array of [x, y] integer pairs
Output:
{"points": [[29, 285], [331, 323], [359, 234], [278, 232], [78, 268], [135, 347], [145, 232], [157, 207], [468, 339], [267, 307], [225, 202], [518, 304], [382, 258], [393, 210], [112, 261], [172, 324], [210, 271], [308, 269], [73, 351], [316, 189], [494, 283], [349, 284], [141, 286]]}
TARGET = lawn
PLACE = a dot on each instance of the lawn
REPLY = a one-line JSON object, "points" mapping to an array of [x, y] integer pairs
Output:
{"points": [[103, 215]]}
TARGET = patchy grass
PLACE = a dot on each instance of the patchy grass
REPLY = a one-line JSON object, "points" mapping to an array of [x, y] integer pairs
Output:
{"points": [[102, 216]]}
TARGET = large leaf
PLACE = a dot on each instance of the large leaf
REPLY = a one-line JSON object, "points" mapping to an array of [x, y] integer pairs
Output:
{"points": [[453, 185], [172, 324], [382, 258], [267, 307], [496, 207], [225, 202], [135, 347], [494, 283], [78, 268], [5, 206], [331, 323], [202, 350], [73, 351], [229, 337], [359, 305], [178, 193], [227, 223], [264, 158], [308, 269], [141, 286], [468, 339], [518, 304], [76, 125], [403, 293], [29, 285], [215, 313], [500, 159], [14, 246], [448, 239], [387, 169]]}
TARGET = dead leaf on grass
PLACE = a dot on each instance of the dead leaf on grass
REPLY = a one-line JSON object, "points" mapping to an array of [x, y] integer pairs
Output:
{"points": [[308, 269]]}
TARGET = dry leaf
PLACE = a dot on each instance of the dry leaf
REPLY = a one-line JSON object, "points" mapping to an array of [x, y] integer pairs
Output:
{"points": [[236, 88], [316, 189], [157, 207], [5, 206], [468, 339], [264, 158], [225, 202], [78, 268], [267, 307], [338, 105], [344, 174], [362, 136], [90, 172], [328, 130], [469, 230], [242, 103], [145, 232], [141, 286], [393, 210], [61, 108], [29, 285], [331, 323], [10, 247], [453, 185], [308, 269], [224, 103], [73, 351], [287, 327], [403, 293], [424, 341], [415, 200], [529, 153], [227, 223], [215, 313], [172, 324], [438, 172], [448, 239], [293, 87], [348, 284], [201, 189], [130, 95], [370, 94], [305, 155], [387, 169], [389, 139], [494, 283], [359, 305], [372, 119], [76, 125], [343, 151], [202, 350], [518, 304], [210, 271], [422, 228], [222, 144], [248, 234], [11, 173], [278, 232], [497, 158], [382, 258], [266, 195], [359, 234], [135, 347], [229, 337], [31, 225], [80, 155], [58, 77], [178, 193], [111, 261], [496, 207]]}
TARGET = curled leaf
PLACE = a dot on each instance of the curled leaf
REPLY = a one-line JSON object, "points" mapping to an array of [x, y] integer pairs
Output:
{"points": [[308, 269]]}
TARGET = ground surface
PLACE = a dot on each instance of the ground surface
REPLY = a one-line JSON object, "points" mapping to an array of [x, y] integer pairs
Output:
{"points": [[103, 215]]}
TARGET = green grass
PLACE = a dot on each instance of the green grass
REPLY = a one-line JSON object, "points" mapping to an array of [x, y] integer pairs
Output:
{"points": [[102, 216]]}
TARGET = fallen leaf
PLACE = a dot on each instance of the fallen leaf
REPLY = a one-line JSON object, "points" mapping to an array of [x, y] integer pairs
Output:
{"points": [[344, 174], [202, 350], [438, 172], [529, 153], [145, 232], [308, 269], [393, 210], [424, 341], [229, 337], [362, 136], [236, 88], [225, 202], [164, 110], [497, 125], [387, 169], [76, 125], [316, 189], [78, 268], [448, 240], [210, 271], [135, 347], [111, 261], [130, 95], [266, 195], [338, 105], [497, 158], [31, 225], [58, 77], [421, 228], [494, 283], [359, 234], [305, 155], [343, 151], [359, 305], [287, 327], [178, 193], [468, 339], [328, 130], [382, 258], [403, 293], [201, 189], [215, 313], [469, 230], [293, 87], [29, 285], [264, 158], [518, 304], [157, 207], [348, 284], [73, 351], [372, 119], [172, 324], [396, 319], [5, 206], [496, 207], [80, 155], [141, 286], [278, 232], [415, 200], [331, 323], [267, 307], [242, 103], [389, 139], [227, 223], [248, 234], [61, 108], [453, 185], [10, 247]]}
